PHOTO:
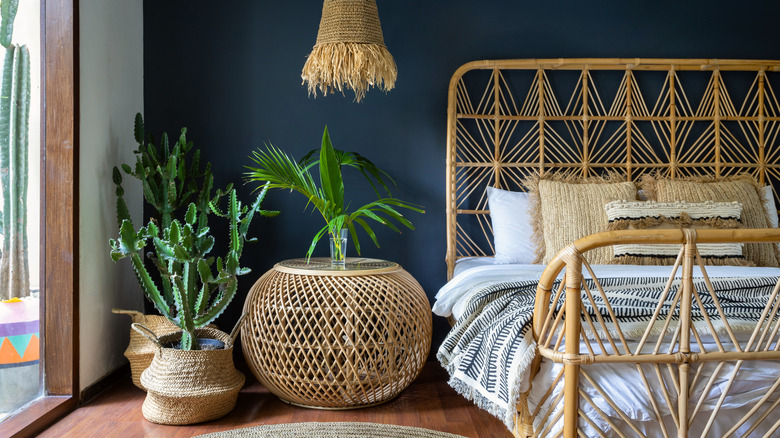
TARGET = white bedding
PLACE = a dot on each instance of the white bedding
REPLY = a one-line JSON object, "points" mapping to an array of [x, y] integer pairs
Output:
{"points": [[620, 381]]}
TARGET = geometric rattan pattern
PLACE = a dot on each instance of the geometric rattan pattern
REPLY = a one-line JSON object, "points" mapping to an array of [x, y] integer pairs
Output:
{"points": [[336, 341], [677, 358], [508, 119]]}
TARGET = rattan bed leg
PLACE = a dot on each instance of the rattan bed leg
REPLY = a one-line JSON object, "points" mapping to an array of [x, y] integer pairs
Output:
{"points": [[524, 423], [685, 330], [571, 367]]}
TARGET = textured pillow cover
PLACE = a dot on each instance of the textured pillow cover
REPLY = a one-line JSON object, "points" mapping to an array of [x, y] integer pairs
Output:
{"points": [[512, 230], [637, 215], [569, 209], [742, 189]]}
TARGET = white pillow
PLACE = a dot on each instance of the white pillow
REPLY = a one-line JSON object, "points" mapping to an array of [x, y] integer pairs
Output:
{"points": [[512, 228], [769, 206]]}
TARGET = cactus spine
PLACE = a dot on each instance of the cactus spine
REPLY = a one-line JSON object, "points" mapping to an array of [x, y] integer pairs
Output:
{"points": [[14, 117]]}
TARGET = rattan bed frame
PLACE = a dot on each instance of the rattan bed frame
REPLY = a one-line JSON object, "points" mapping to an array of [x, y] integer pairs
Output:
{"points": [[508, 119]]}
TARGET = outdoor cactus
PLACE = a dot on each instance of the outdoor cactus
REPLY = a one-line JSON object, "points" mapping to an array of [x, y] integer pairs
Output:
{"points": [[14, 116], [8, 10], [192, 295], [169, 182]]}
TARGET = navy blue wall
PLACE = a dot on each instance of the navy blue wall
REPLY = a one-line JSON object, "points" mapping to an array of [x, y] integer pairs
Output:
{"points": [[231, 73]]}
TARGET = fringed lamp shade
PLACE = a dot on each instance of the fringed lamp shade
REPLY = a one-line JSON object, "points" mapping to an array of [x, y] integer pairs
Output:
{"points": [[350, 51]]}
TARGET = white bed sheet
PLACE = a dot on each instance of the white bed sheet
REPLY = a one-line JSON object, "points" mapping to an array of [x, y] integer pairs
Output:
{"points": [[620, 381]]}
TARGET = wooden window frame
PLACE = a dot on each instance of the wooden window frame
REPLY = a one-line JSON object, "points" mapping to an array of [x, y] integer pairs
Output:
{"points": [[59, 209]]}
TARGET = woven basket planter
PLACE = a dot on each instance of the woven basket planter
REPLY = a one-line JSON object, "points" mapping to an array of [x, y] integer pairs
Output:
{"points": [[186, 387], [140, 351]]}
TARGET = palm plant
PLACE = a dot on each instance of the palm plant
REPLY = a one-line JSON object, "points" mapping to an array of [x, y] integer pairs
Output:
{"points": [[275, 169]]}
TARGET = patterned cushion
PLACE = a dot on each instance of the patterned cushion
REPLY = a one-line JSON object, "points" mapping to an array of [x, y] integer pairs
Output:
{"points": [[742, 189], [626, 215], [571, 209]]}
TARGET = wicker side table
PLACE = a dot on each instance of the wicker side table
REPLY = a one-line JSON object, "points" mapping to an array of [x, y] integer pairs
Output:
{"points": [[336, 339]]}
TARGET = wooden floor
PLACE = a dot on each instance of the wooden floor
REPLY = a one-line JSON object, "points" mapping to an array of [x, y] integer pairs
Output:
{"points": [[428, 402]]}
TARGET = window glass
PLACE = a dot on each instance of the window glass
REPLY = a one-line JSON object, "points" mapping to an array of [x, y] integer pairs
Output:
{"points": [[20, 194]]}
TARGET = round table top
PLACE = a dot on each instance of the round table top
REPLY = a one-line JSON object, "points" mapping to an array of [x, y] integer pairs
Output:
{"points": [[321, 266]]}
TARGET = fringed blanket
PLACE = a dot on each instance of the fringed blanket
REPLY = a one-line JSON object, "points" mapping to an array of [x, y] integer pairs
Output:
{"points": [[489, 351]]}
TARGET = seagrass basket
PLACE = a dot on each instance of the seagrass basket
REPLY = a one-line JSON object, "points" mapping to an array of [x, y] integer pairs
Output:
{"points": [[140, 351], [186, 387]]}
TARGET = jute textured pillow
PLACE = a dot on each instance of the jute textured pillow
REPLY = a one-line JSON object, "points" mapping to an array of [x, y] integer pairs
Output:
{"points": [[573, 208], [742, 189], [637, 215]]}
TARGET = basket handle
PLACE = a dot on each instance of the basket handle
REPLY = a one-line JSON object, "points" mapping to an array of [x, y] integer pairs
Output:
{"points": [[133, 313], [236, 329], [145, 332]]}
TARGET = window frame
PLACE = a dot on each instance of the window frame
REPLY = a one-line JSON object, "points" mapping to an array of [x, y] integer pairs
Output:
{"points": [[59, 224]]}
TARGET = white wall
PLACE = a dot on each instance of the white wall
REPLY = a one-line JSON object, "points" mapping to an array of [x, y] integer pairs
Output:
{"points": [[111, 92]]}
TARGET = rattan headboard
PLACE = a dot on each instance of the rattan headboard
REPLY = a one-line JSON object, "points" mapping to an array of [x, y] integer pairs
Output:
{"points": [[507, 119]]}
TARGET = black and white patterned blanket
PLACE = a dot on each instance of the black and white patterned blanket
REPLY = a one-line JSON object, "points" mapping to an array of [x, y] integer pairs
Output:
{"points": [[489, 351]]}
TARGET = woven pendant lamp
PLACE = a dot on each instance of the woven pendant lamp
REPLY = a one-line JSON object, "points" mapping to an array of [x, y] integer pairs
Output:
{"points": [[350, 51]]}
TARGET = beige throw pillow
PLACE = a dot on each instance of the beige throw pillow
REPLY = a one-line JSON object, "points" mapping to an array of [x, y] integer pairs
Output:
{"points": [[574, 209], [742, 189], [637, 215]]}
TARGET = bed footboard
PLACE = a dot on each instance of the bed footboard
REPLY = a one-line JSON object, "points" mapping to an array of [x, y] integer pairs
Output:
{"points": [[686, 348]]}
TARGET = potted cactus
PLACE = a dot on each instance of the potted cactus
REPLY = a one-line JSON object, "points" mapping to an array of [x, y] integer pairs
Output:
{"points": [[191, 295], [171, 176], [193, 365]]}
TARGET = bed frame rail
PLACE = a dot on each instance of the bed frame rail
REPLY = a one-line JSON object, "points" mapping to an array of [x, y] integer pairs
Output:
{"points": [[559, 327]]}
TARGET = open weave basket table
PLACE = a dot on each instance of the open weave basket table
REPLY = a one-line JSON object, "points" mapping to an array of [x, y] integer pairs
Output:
{"points": [[336, 339]]}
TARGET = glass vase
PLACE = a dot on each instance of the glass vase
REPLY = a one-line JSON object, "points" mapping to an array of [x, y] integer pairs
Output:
{"points": [[338, 249]]}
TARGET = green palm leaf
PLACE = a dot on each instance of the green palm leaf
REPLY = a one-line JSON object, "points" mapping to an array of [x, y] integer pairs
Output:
{"points": [[330, 176], [273, 168]]}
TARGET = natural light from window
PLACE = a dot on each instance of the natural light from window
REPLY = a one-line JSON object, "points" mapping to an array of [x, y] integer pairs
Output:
{"points": [[19, 308]]}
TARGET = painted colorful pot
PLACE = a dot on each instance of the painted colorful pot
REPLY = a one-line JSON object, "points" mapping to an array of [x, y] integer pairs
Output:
{"points": [[19, 352]]}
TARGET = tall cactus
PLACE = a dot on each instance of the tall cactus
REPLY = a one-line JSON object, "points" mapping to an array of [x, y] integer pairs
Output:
{"points": [[14, 118], [170, 177], [8, 10], [192, 296]]}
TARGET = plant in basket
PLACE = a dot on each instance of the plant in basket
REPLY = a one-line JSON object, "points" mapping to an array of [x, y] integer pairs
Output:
{"points": [[191, 295], [276, 169], [191, 289], [171, 176]]}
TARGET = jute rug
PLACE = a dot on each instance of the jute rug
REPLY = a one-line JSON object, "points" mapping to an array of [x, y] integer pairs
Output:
{"points": [[330, 430]]}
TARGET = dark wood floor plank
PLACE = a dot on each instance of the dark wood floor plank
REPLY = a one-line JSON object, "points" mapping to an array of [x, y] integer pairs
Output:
{"points": [[428, 402]]}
